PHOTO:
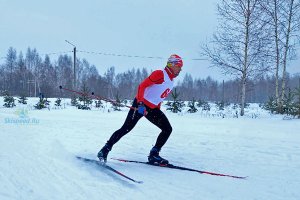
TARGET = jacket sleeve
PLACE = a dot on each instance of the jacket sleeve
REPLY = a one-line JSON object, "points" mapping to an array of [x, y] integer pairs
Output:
{"points": [[156, 77]]}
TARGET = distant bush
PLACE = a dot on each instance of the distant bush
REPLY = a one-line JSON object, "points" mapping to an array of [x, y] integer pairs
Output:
{"points": [[9, 101]]}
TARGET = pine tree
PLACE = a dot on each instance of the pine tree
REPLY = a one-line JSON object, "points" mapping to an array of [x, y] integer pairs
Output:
{"points": [[9, 101], [297, 103], [176, 105], [288, 103], [85, 98], [271, 105], [98, 104], [74, 101], [41, 104], [203, 104], [200, 103], [192, 107], [220, 105], [57, 102], [169, 103], [117, 105], [22, 99]]}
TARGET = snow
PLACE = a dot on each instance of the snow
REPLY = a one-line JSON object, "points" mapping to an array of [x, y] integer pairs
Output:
{"points": [[37, 159]]}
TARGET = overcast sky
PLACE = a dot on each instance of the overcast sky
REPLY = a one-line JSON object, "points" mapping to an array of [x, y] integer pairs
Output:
{"points": [[128, 27]]}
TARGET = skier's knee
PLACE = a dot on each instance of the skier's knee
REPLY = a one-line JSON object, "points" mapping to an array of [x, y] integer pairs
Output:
{"points": [[169, 129]]}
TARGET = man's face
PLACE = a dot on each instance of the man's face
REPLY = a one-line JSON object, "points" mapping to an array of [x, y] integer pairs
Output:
{"points": [[176, 70]]}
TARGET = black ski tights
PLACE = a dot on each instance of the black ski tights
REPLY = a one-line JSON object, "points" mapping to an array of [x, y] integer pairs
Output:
{"points": [[156, 116]]}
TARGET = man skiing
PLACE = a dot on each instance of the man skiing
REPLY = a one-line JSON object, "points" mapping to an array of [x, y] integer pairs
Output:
{"points": [[151, 92]]}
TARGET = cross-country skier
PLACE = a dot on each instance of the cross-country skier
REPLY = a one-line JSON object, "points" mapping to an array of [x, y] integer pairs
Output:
{"points": [[151, 92]]}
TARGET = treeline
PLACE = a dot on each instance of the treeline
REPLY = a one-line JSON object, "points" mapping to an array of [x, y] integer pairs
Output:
{"points": [[30, 74], [256, 37], [258, 90]]}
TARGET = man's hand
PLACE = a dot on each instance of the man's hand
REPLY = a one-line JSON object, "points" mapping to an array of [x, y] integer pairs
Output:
{"points": [[141, 108]]}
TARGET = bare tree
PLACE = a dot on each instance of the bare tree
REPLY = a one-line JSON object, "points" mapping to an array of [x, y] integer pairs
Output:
{"points": [[273, 17], [64, 70], [110, 78], [291, 26], [11, 63], [284, 23], [240, 46]]}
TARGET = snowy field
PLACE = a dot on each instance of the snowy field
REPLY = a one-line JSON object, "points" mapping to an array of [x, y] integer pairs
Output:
{"points": [[37, 159]]}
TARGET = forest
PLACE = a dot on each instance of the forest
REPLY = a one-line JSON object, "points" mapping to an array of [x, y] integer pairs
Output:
{"points": [[31, 74]]}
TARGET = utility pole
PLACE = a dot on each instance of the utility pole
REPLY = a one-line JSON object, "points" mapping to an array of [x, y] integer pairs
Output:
{"points": [[74, 51]]}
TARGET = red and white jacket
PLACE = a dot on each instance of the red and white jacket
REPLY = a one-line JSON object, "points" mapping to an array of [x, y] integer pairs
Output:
{"points": [[154, 89]]}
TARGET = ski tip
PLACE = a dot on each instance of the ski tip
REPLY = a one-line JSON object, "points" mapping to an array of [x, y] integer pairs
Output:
{"points": [[79, 157], [238, 177], [91, 160]]}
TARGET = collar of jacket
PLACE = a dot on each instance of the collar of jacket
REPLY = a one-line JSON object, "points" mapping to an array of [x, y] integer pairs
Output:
{"points": [[170, 73]]}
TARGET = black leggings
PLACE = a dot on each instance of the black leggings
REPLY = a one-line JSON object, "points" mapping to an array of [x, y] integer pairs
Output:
{"points": [[155, 116]]}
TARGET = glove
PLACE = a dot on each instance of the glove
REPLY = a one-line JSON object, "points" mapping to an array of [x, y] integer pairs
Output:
{"points": [[141, 108]]}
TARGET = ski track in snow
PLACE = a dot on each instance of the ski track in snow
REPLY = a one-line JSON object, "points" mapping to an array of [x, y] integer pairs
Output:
{"points": [[37, 161]]}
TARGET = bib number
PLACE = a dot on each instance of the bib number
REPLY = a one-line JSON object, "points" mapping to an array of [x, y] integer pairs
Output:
{"points": [[165, 93]]}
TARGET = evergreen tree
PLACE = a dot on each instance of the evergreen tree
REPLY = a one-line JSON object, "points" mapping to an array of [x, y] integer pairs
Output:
{"points": [[220, 105], [200, 103], [176, 105], [9, 101], [297, 103], [192, 107], [57, 102], [98, 104], [22, 99], [125, 101], [206, 106], [117, 105], [271, 105], [85, 98], [288, 105], [203, 104], [41, 104], [74, 101]]}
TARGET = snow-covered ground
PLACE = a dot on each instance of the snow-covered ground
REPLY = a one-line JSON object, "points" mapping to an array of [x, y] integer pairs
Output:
{"points": [[37, 156]]}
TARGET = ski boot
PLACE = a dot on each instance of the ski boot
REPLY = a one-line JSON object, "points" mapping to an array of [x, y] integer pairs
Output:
{"points": [[154, 157], [102, 154]]}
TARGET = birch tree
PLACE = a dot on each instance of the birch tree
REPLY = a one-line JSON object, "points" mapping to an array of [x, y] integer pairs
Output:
{"points": [[273, 17], [291, 25], [284, 22], [240, 45]]}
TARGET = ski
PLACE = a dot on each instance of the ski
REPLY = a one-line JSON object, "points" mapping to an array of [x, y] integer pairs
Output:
{"points": [[181, 168], [104, 165]]}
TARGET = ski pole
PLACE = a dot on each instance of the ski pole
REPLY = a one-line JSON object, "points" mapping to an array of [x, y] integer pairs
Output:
{"points": [[114, 102], [97, 97], [111, 101]]}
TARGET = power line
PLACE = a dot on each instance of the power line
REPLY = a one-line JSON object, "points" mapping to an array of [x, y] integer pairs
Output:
{"points": [[121, 55], [132, 56], [54, 53]]}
